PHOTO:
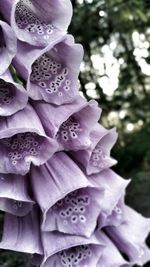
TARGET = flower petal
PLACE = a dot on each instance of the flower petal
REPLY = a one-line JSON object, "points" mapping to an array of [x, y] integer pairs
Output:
{"points": [[8, 46], [97, 157], [6, 8], [67, 249], [69, 124], [111, 257], [14, 195], [116, 217], [114, 188], [23, 141], [22, 233], [39, 23], [61, 175], [76, 214], [13, 96], [130, 236], [52, 72]]}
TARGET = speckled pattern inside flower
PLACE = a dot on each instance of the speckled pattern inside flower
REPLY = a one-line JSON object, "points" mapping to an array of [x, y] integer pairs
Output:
{"points": [[28, 20]]}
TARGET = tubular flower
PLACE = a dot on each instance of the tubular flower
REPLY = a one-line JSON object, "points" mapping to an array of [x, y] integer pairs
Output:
{"points": [[52, 72], [36, 23], [71, 205], [71, 213], [23, 141], [8, 46], [130, 236], [68, 124], [115, 217], [70, 250], [13, 96], [61, 175], [96, 157], [39, 24], [64, 206], [114, 189]]}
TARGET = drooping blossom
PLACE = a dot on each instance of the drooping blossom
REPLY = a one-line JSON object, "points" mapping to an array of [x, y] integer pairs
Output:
{"points": [[76, 213], [14, 194], [96, 157], [35, 22], [130, 236], [115, 216], [52, 72], [70, 250], [114, 189], [23, 141], [13, 96], [75, 200], [60, 175], [68, 124], [8, 46]]}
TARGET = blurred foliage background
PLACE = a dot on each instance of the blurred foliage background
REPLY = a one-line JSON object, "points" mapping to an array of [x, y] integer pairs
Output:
{"points": [[115, 35]]}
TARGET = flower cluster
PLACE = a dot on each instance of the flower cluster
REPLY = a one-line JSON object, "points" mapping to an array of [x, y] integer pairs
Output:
{"points": [[63, 204]]}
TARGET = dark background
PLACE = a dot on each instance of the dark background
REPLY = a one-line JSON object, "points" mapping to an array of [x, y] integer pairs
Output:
{"points": [[115, 35]]}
